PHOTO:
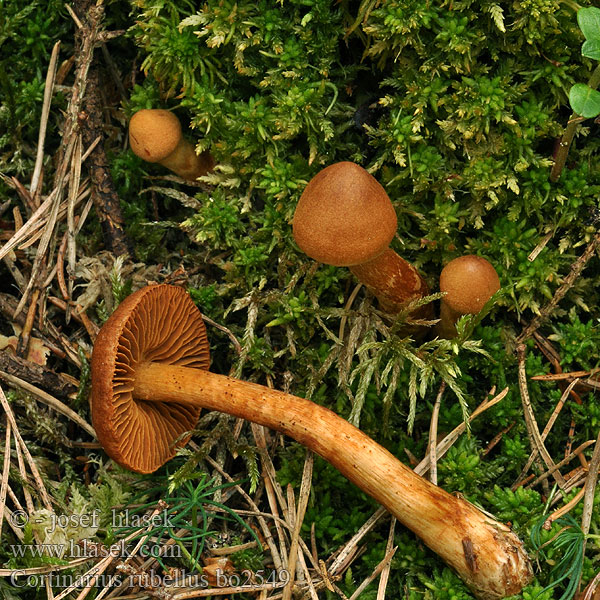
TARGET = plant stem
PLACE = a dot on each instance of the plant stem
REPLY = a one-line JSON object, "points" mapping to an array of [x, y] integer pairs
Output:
{"points": [[484, 552], [569, 133]]}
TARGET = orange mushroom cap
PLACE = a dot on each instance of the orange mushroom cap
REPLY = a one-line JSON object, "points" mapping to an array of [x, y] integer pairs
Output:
{"points": [[155, 324], [469, 282], [344, 216], [154, 134]]}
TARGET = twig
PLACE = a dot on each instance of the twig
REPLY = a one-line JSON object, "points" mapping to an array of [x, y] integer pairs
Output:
{"points": [[568, 282], [228, 332], [104, 195], [22, 191], [52, 402], [20, 445], [447, 442], [545, 433], [60, 271], [307, 577], [274, 492], [385, 573], [563, 510], [74, 16], [20, 235], [496, 439], [541, 245], [43, 570], [40, 256], [35, 374], [49, 590], [347, 307], [48, 91], [351, 545], [569, 133], [299, 519], [386, 561], [71, 221], [84, 54], [433, 425], [592, 586], [25, 336], [567, 459], [18, 218], [5, 472], [113, 71], [565, 376], [590, 488], [10, 262], [535, 439], [33, 229], [91, 327]]}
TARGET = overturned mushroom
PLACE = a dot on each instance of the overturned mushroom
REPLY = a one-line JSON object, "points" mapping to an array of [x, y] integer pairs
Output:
{"points": [[345, 218], [469, 282], [155, 135], [150, 381]]}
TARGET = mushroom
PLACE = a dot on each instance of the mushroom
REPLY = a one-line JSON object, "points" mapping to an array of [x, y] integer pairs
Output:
{"points": [[345, 218], [469, 282], [155, 135], [150, 381]]}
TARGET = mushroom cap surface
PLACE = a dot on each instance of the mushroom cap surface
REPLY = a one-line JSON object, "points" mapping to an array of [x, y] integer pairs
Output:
{"points": [[154, 133], [470, 281], [158, 323], [344, 216]]}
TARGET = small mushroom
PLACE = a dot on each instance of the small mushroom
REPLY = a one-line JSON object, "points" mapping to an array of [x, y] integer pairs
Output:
{"points": [[155, 135], [469, 282], [150, 381], [345, 218]]}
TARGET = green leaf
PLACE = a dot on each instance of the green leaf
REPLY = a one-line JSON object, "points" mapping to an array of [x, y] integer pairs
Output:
{"points": [[589, 22], [584, 100], [591, 49]]}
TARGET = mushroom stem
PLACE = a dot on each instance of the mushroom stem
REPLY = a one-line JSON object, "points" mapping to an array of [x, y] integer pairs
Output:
{"points": [[186, 163], [446, 328], [485, 553], [393, 280]]}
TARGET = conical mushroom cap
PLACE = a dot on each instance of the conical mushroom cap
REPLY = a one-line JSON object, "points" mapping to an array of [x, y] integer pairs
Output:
{"points": [[470, 281], [158, 323], [154, 134], [344, 216]]}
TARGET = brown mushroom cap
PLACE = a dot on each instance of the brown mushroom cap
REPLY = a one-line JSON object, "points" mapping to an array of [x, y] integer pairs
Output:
{"points": [[154, 134], [470, 281], [344, 216], [155, 324]]}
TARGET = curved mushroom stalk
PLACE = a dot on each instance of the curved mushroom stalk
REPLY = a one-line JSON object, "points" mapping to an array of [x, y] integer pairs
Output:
{"points": [[345, 218], [393, 280], [155, 136], [150, 380]]}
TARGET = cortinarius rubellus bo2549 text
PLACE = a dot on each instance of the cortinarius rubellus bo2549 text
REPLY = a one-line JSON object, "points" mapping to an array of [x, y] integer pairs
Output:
{"points": [[150, 380]]}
